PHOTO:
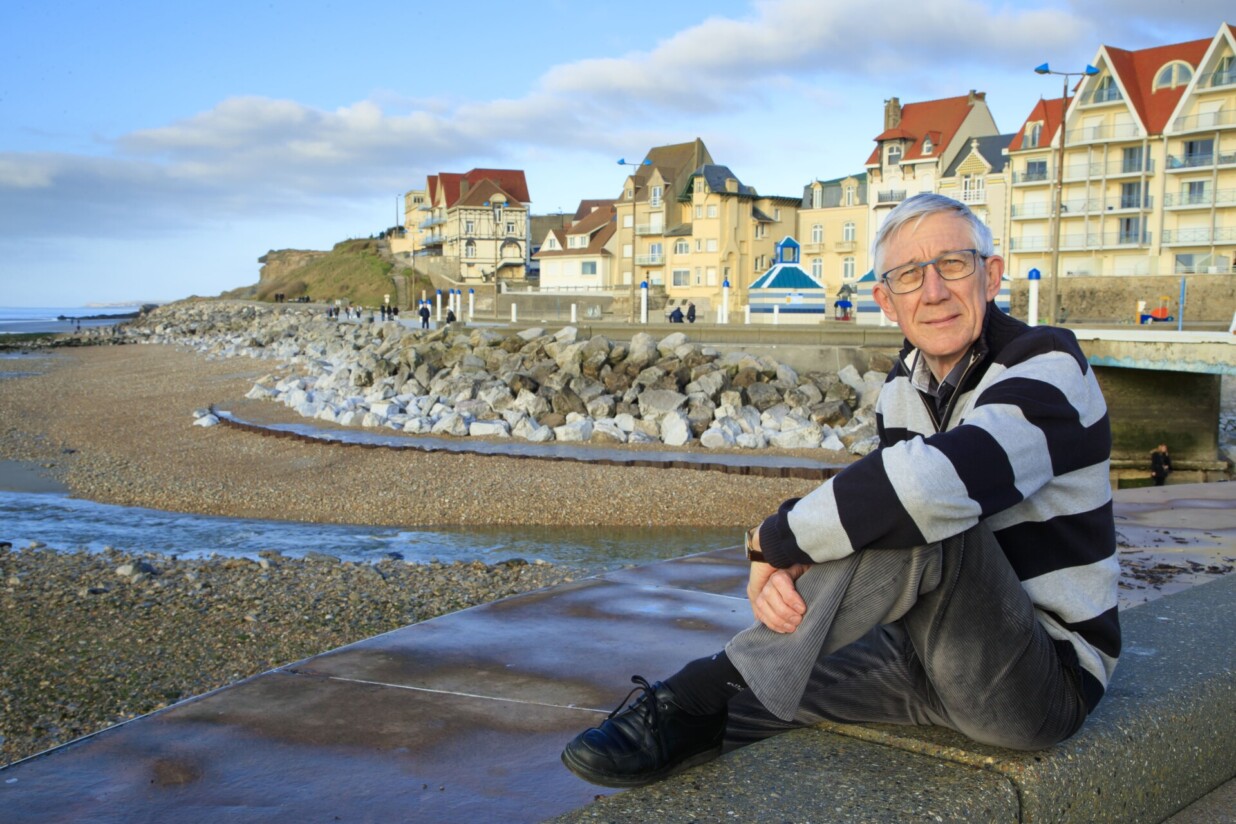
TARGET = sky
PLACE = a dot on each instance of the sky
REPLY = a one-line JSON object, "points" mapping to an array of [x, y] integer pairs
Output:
{"points": [[152, 151]]}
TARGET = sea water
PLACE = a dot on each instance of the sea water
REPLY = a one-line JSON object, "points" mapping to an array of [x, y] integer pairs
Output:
{"points": [[44, 319], [65, 523]]}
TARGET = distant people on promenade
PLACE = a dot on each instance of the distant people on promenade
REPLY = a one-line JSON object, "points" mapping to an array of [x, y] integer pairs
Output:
{"points": [[424, 313], [1160, 464], [450, 316], [676, 315], [690, 312]]}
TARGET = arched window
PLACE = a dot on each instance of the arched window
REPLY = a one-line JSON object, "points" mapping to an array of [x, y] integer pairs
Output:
{"points": [[470, 249], [847, 268], [894, 154], [817, 233], [1173, 74], [847, 232], [817, 268]]}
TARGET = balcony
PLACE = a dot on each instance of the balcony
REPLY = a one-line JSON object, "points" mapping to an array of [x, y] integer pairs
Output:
{"points": [[1177, 163], [1102, 95], [1036, 176], [1021, 211], [844, 246], [1113, 168], [974, 195], [434, 240], [1216, 80], [895, 196], [1200, 200], [1205, 121], [649, 229], [1093, 134], [1082, 241], [650, 260], [431, 221], [1082, 207], [1203, 236]]}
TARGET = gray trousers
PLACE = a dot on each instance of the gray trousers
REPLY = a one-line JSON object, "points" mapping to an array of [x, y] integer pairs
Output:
{"points": [[942, 634]]}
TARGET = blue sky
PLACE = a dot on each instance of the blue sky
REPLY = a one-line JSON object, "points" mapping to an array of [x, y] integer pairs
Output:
{"points": [[149, 151]]}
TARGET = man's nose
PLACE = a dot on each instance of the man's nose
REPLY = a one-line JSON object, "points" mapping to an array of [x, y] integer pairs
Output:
{"points": [[934, 287]]}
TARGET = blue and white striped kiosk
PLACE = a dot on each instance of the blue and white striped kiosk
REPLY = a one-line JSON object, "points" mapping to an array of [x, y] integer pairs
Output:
{"points": [[787, 289]]}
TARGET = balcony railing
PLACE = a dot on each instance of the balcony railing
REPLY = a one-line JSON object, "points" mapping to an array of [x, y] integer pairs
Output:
{"points": [[1035, 176], [1113, 168], [1082, 207], [1107, 95], [974, 195], [1075, 241], [1205, 120], [1090, 134], [891, 197], [649, 229], [431, 221], [1185, 200], [844, 246], [434, 240], [1213, 80], [1200, 161], [649, 260], [1199, 237]]}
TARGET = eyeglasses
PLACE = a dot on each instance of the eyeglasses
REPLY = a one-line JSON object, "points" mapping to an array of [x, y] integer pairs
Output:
{"points": [[949, 265]]}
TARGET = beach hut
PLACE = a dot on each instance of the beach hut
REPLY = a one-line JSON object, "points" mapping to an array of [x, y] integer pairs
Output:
{"points": [[789, 288]]}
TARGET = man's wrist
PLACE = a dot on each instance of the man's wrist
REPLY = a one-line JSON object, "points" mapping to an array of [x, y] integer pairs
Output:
{"points": [[754, 555]]}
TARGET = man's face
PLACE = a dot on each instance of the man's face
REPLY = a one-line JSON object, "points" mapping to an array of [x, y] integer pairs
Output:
{"points": [[942, 318]]}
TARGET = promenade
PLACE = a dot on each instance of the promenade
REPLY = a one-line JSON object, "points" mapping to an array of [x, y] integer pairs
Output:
{"points": [[462, 718]]}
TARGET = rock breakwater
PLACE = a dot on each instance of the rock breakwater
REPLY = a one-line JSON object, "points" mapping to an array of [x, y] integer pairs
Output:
{"points": [[532, 385]]}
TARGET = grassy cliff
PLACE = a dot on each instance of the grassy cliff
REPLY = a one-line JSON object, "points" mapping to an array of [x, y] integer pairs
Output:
{"points": [[352, 271]]}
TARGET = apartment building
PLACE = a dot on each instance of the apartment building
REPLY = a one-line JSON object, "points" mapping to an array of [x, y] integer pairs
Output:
{"points": [[977, 178], [479, 220], [833, 231], [1148, 175], [919, 143]]}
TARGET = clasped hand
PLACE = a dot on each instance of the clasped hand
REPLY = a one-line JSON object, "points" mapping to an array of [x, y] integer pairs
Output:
{"points": [[774, 599]]}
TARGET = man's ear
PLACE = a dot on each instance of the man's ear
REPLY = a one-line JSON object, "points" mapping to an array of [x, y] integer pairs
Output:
{"points": [[885, 301], [995, 271]]}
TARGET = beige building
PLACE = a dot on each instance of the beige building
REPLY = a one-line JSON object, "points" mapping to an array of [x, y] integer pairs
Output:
{"points": [[833, 230], [977, 178], [479, 221], [578, 257], [1149, 166]]}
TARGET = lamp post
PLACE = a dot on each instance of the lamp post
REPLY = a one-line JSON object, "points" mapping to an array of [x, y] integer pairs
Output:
{"points": [[1054, 315], [622, 162]]}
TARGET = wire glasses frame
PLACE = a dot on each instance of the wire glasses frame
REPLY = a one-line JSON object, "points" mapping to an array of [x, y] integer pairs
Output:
{"points": [[955, 265]]}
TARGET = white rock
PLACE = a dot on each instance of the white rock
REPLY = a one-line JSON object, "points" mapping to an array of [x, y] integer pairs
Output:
{"points": [[575, 431], [675, 429], [206, 420], [489, 429]]}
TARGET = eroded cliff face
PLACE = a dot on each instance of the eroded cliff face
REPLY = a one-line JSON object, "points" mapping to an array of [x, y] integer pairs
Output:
{"points": [[279, 266]]}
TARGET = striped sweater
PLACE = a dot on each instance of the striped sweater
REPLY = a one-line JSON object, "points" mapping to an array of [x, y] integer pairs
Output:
{"points": [[1024, 446]]}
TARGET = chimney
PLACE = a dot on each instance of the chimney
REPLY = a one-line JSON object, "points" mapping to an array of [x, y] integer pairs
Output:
{"points": [[976, 97], [892, 113]]}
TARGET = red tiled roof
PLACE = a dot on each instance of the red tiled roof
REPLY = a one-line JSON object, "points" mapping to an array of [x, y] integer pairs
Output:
{"points": [[512, 181], [483, 192], [590, 222], [918, 119], [1137, 71], [1046, 111]]}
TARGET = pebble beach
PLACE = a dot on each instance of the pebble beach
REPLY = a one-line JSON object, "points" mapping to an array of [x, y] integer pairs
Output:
{"points": [[93, 639]]}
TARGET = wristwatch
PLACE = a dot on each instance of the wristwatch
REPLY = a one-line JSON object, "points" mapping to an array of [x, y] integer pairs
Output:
{"points": [[748, 544]]}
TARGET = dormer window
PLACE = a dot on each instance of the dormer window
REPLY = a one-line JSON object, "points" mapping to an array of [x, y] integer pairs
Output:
{"points": [[1033, 135], [894, 154], [1105, 90], [654, 196], [927, 146], [1174, 74]]}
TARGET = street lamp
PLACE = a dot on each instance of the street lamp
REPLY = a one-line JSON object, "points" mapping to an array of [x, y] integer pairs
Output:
{"points": [[1054, 315], [623, 162]]}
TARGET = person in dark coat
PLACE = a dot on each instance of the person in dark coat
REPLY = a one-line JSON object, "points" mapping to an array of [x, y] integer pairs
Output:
{"points": [[1160, 465], [676, 315], [424, 313], [690, 312]]}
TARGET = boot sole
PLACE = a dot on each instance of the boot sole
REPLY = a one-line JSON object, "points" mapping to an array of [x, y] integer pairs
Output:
{"points": [[626, 781]]}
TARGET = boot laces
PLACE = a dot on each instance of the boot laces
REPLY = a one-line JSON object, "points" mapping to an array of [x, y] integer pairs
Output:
{"points": [[647, 698]]}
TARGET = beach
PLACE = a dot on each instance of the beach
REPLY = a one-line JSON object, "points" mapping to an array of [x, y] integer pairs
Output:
{"points": [[95, 639]]}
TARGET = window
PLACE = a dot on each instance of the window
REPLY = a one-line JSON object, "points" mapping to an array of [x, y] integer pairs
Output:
{"points": [[851, 195], [699, 277], [681, 277], [1131, 159], [817, 197], [817, 268], [1105, 90], [1131, 195], [1173, 75], [628, 221], [1195, 193], [712, 275], [682, 247], [1223, 73], [699, 245], [1036, 170], [712, 210], [1199, 152], [699, 211], [777, 214], [470, 249], [1130, 230], [847, 232], [927, 146], [817, 233], [588, 267], [973, 188], [469, 227], [577, 241], [760, 230], [847, 268], [654, 197], [510, 227], [629, 192], [626, 250], [655, 251], [1033, 135], [894, 154]]}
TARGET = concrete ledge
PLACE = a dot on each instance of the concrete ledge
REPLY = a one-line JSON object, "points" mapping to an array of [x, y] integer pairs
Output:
{"points": [[1160, 740]]}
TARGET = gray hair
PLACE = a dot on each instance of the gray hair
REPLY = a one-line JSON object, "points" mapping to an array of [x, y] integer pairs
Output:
{"points": [[920, 206]]}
